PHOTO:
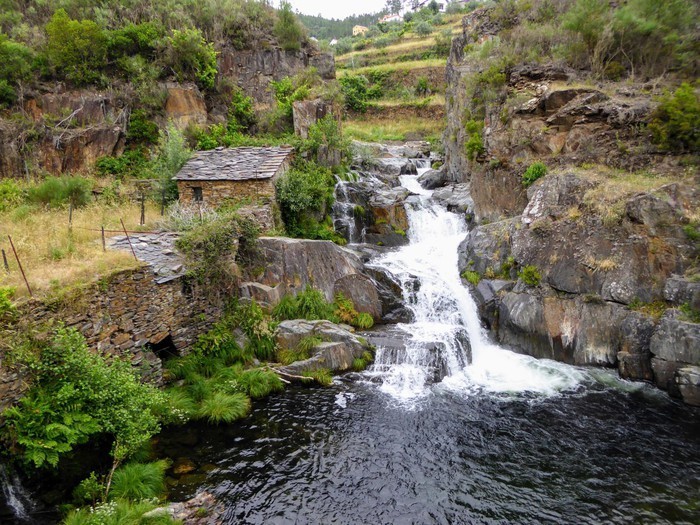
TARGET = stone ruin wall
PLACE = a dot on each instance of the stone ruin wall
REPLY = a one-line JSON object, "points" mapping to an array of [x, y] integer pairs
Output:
{"points": [[127, 315]]}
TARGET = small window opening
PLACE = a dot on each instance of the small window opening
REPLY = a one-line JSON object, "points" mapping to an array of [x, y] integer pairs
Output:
{"points": [[198, 194]]}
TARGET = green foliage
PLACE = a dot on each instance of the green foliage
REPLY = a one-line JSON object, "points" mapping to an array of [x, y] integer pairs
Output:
{"points": [[474, 145], [119, 512], [190, 57], [259, 383], [11, 195], [588, 18], [326, 135], [141, 129], [675, 124], [288, 30], [60, 191], [355, 91], [224, 408], [691, 231], [90, 490], [132, 163], [134, 39], [311, 305], [534, 171], [76, 394], [321, 376], [172, 153], [304, 192], [363, 321], [689, 313], [256, 326], [7, 308], [241, 112], [139, 481], [423, 28], [530, 275], [15, 67], [76, 49], [361, 363], [471, 277]]}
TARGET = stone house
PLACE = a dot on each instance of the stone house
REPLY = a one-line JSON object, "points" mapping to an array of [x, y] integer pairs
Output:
{"points": [[224, 174]]}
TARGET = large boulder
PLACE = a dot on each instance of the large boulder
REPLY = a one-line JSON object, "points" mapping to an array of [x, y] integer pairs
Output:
{"points": [[336, 352], [294, 264], [456, 198], [487, 248], [389, 219], [432, 179], [306, 113], [361, 290]]}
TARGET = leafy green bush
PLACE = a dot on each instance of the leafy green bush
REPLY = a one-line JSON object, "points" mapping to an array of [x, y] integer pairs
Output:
{"points": [[355, 91], [7, 308], [257, 327], [76, 49], [534, 171], [423, 28], [474, 145], [241, 112], [190, 56], [60, 191], [171, 154], [77, 394], [530, 275], [139, 481], [326, 135], [141, 129], [15, 66], [132, 163], [288, 30], [304, 191], [134, 39], [675, 124], [11, 194]]}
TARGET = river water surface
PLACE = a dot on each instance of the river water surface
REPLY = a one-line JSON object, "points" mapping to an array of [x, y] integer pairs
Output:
{"points": [[450, 428]]}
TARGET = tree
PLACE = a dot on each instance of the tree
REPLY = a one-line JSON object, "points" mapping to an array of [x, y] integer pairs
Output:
{"points": [[191, 57], [76, 49], [394, 6], [15, 67], [288, 30]]}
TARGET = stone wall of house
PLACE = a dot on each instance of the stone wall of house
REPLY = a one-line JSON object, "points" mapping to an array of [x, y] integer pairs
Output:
{"points": [[126, 315], [215, 193]]}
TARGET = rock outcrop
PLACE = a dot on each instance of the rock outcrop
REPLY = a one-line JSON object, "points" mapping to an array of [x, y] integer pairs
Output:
{"points": [[336, 352]]}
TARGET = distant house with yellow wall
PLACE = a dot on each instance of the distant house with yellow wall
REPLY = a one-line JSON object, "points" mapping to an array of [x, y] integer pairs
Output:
{"points": [[359, 30]]}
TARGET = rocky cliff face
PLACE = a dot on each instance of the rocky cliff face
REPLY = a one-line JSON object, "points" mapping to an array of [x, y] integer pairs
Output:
{"points": [[66, 131], [596, 263]]}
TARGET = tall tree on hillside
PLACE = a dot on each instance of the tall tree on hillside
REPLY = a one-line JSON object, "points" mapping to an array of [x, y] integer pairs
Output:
{"points": [[394, 6], [287, 29]]}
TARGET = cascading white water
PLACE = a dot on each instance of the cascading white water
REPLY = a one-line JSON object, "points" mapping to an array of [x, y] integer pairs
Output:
{"points": [[444, 313], [16, 497], [344, 211]]}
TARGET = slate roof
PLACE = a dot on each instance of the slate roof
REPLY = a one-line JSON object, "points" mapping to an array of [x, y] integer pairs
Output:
{"points": [[243, 163]]}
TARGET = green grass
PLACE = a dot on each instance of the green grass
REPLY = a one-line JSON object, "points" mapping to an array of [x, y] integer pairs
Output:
{"points": [[120, 512], [137, 481], [224, 408], [321, 376], [259, 383], [387, 129], [396, 66]]}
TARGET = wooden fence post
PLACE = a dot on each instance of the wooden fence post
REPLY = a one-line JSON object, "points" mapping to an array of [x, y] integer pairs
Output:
{"points": [[20, 267], [129, 240]]}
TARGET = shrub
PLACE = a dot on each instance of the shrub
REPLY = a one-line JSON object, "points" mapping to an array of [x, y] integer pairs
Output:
{"points": [[326, 135], [134, 39], [15, 66], [7, 309], [172, 153], [141, 128], [11, 194], [355, 91], [423, 28], [288, 30], [256, 326], [302, 192], [241, 111], [530, 275], [76, 394], [224, 408], [77, 50], [363, 321], [675, 124], [190, 56], [474, 145], [139, 481], [535, 171], [60, 191]]}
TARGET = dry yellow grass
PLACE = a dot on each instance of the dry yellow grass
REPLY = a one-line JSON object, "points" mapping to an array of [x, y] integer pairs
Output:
{"points": [[54, 256], [396, 66], [378, 130]]}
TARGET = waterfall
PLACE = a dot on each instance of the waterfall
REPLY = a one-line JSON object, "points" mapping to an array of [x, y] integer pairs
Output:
{"points": [[446, 343], [16, 498]]}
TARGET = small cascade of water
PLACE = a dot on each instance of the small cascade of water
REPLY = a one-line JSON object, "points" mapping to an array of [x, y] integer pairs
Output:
{"points": [[16, 497], [345, 221], [446, 342]]}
